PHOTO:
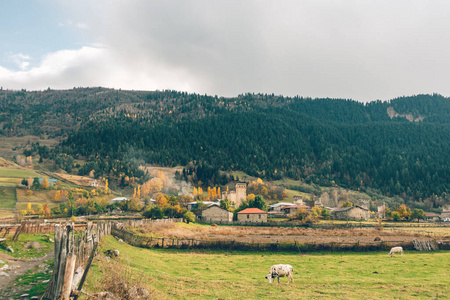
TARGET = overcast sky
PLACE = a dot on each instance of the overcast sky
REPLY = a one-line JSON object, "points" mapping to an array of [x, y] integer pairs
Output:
{"points": [[363, 50]]}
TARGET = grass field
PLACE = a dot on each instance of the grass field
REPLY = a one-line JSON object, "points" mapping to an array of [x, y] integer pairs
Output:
{"points": [[176, 274], [10, 181], [6, 213], [17, 173], [19, 246], [7, 197]]}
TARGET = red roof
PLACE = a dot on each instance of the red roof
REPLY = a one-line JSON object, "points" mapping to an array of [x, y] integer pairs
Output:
{"points": [[252, 211]]}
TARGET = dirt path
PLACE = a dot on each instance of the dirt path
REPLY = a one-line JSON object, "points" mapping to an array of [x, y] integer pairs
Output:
{"points": [[17, 267]]}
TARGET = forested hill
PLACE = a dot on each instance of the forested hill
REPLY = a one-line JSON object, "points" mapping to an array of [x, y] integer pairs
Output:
{"points": [[400, 147]]}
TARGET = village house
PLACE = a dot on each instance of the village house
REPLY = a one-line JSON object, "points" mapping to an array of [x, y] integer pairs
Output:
{"points": [[119, 199], [432, 217], [190, 205], [215, 214], [279, 206], [445, 215], [253, 215], [355, 212]]}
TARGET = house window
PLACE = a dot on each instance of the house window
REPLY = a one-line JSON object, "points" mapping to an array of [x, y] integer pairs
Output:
{"points": [[248, 216], [260, 216]]}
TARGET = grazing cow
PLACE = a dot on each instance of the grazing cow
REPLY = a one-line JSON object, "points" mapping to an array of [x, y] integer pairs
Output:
{"points": [[396, 250], [277, 271]]}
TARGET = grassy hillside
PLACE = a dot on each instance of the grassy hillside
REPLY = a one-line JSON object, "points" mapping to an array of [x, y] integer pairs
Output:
{"points": [[357, 146]]}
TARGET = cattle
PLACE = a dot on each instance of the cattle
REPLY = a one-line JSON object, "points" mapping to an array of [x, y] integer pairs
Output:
{"points": [[277, 271], [396, 250]]}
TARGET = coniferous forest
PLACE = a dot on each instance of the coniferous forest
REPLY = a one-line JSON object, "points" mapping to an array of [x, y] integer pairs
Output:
{"points": [[398, 147]]}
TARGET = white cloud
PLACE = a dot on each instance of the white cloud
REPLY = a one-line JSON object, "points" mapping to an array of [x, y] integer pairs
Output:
{"points": [[21, 60], [91, 66], [364, 50]]}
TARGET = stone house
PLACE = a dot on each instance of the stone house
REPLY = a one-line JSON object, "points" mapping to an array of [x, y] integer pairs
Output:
{"points": [[355, 212], [214, 213], [253, 215]]}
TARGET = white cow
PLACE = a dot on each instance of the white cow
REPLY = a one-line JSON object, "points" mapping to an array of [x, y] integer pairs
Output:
{"points": [[277, 271], [396, 250]]}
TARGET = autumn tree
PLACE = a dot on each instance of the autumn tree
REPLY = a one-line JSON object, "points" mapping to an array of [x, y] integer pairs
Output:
{"points": [[40, 209], [57, 197], [30, 182], [135, 205], [106, 186], [46, 210], [404, 211], [152, 186], [161, 200], [45, 183]]}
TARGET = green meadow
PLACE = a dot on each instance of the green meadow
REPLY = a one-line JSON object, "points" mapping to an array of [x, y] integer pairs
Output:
{"points": [[7, 197], [191, 274], [17, 173]]}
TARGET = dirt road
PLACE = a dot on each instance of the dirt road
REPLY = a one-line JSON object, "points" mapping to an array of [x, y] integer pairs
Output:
{"points": [[15, 268]]}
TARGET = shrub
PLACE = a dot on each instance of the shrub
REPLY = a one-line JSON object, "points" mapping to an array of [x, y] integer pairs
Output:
{"points": [[154, 212], [189, 216]]}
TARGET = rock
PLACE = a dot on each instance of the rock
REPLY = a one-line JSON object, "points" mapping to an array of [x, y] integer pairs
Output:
{"points": [[5, 267], [33, 245], [24, 295], [10, 249], [112, 252], [120, 241], [138, 293], [107, 258], [51, 240], [34, 298], [4, 274]]}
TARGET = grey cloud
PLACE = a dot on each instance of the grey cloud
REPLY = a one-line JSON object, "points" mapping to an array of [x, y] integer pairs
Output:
{"points": [[364, 50]]}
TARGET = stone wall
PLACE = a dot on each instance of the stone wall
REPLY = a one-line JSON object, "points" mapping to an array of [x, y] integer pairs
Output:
{"points": [[215, 214], [254, 218]]}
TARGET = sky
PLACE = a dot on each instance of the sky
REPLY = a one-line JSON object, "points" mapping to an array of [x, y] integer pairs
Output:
{"points": [[360, 50]]}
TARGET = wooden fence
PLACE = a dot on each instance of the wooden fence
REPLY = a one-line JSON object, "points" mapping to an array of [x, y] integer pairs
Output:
{"points": [[71, 251], [347, 225], [152, 242]]}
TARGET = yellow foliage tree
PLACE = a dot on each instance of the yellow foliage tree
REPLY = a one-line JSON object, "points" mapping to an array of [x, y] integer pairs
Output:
{"points": [[195, 193], [57, 196], [251, 197], [45, 183], [219, 194], [40, 209], [152, 186], [162, 200], [106, 186], [29, 206], [138, 195]]}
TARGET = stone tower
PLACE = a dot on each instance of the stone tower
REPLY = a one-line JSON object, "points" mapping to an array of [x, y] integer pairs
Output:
{"points": [[241, 193]]}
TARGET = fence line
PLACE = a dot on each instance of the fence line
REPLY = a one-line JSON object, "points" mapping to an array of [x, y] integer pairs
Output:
{"points": [[270, 223], [164, 242]]}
